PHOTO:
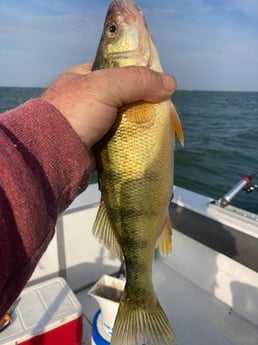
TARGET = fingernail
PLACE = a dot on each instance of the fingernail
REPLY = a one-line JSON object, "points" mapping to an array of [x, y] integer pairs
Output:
{"points": [[169, 83]]}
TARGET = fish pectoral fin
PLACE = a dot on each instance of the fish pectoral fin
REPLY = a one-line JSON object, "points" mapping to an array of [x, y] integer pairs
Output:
{"points": [[139, 112], [102, 230], [176, 123], [165, 239], [142, 324]]}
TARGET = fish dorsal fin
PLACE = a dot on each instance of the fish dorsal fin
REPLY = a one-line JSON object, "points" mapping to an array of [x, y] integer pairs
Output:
{"points": [[102, 230], [165, 239], [176, 123]]}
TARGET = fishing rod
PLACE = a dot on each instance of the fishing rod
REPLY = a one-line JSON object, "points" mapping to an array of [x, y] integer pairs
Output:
{"points": [[244, 183]]}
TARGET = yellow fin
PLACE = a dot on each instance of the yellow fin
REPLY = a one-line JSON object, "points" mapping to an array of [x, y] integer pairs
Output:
{"points": [[103, 232], [165, 240], [176, 123], [144, 323]]}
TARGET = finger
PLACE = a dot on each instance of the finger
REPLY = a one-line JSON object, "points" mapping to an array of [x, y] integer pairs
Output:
{"points": [[148, 86]]}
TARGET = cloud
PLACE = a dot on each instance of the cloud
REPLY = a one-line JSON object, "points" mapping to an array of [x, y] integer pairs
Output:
{"points": [[205, 44], [248, 7], [205, 47], [41, 45]]}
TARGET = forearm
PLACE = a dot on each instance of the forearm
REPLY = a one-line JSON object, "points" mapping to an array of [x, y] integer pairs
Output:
{"points": [[44, 166]]}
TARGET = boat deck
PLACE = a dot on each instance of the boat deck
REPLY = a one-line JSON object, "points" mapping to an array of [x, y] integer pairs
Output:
{"points": [[197, 316], [209, 296]]}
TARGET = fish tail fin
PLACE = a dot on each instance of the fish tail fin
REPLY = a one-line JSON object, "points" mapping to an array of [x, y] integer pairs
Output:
{"points": [[144, 323]]}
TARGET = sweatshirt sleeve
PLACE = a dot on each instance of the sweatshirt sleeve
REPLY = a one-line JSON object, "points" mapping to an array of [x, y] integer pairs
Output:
{"points": [[43, 167]]}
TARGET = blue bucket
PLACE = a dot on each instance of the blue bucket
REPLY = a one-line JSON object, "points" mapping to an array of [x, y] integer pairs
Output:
{"points": [[97, 339]]}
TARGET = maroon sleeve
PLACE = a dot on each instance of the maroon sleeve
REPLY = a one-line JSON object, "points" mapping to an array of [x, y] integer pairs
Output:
{"points": [[43, 167]]}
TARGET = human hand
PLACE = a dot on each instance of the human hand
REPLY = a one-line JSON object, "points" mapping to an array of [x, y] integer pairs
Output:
{"points": [[90, 100]]}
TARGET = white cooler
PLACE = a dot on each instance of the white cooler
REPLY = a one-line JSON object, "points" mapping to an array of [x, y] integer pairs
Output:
{"points": [[48, 313]]}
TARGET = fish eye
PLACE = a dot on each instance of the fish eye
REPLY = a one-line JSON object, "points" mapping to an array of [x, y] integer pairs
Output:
{"points": [[111, 30]]}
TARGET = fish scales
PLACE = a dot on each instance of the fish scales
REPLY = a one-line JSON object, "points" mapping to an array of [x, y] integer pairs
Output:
{"points": [[135, 171]]}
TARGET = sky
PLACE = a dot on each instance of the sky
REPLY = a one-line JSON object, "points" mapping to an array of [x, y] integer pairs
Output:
{"points": [[205, 44]]}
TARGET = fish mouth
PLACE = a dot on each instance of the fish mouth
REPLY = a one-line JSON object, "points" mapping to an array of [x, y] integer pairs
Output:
{"points": [[129, 5], [125, 10]]}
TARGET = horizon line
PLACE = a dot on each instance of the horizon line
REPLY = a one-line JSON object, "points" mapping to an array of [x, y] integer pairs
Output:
{"points": [[184, 90]]}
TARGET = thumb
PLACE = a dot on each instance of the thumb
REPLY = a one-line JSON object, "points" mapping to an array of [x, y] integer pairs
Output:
{"points": [[81, 69], [125, 85]]}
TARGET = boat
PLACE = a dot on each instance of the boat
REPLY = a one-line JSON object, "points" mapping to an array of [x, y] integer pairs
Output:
{"points": [[208, 287]]}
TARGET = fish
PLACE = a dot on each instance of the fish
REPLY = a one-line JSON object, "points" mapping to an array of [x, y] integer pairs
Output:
{"points": [[135, 173]]}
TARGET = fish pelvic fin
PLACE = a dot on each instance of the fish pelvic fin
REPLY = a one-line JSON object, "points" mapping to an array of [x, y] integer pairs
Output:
{"points": [[165, 239], [176, 123], [102, 230], [144, 323]]}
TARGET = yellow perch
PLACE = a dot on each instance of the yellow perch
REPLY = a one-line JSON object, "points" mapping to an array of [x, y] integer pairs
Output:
{"points": [[135, 169]]}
